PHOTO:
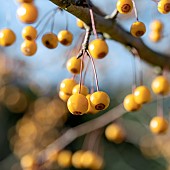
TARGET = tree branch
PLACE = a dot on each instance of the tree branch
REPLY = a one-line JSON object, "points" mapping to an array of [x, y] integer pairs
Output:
{"points": [[114, 31], [85, 128]]}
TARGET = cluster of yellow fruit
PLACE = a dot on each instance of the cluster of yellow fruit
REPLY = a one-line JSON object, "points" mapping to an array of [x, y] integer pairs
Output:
{"points": [[141, 95], [126, 6], [79, 101], [27, 12], [29, 46], [134, 101], [81, 159], [156, 28], [77, 96], [160, 86], [49, 40], [138, 28]]}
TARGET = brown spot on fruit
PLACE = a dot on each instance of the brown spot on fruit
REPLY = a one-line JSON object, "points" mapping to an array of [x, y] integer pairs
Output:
{"points": [[139, 33], [73, 70], [167, 7], [64, 42], [126, 8], [100, 106], [77, 113], [28, 37]]}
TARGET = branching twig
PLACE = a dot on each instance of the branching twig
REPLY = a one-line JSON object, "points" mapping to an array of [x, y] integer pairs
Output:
{"points": [[113, 15], [87, 127], [113, 30]]}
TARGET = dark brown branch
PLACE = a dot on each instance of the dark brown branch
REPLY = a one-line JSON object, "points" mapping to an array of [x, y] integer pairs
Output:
{"points": [[114, 31]]}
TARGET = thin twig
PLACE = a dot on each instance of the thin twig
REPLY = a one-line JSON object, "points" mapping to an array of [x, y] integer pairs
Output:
{"points": [[93, 23], [94, 69], [113, 15], [135, 10], [160, 106], [44, 16], [85, 72], [81, 72], [134, 83]]}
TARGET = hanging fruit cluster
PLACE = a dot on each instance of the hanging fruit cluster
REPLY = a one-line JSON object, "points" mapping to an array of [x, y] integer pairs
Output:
{"points": [[77, 96]]}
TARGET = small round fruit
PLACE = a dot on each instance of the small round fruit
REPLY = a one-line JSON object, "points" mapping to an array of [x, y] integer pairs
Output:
{"points": [[7, 37], [50, 40], [29, 33], [130, 104], [115, 133], [27, 13], [100, 100], [29, 48], [90, 160], [155, 36], [124, 6], [158, 125], [156, 25], [77, 104], [74, 65], [142, 95], [63, 96], [84, 89], [65, 37], [67, 85], [64, 159], [160, 85], [164, 6], [76, 159], [138, 29], [91, 109], [27, 161], [98, 48], [80, 23]]}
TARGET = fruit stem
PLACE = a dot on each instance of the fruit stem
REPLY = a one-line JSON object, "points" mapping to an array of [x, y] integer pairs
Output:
{"points": [[44, 16], [86, 39], [133, 71], [85, 42], [45, 25], [85, 72], [93, 23], [66, 17], [98, 146], [135, 10], [81, 70], [53, 21], [140, 70], [74, 76], [160, 102], [165, 71], [94, 69]]}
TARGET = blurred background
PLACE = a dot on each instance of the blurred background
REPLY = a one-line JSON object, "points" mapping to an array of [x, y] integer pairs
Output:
{"points": [[32, 116]]}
